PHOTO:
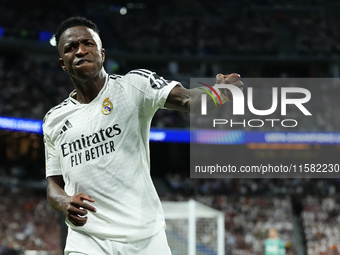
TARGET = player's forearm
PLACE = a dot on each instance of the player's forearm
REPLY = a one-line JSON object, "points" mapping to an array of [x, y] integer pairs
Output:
{"points": [[56, 196]]}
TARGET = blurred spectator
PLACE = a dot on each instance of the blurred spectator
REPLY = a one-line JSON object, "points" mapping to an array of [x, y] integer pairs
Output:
{"points": [[273, 245], [9, 249]]}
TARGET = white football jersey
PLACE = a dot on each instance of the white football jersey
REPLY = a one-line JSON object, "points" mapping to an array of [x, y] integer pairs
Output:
{"points": [[102, 149]]}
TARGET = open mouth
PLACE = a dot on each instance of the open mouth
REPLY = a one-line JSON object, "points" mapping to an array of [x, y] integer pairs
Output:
{"points": [[83, 61]]}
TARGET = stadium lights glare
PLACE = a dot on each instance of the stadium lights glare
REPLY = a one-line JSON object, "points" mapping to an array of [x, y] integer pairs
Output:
{"points": [[123, 11], [53, 42]]}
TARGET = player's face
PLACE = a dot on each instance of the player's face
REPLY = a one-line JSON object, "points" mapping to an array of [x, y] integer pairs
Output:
{"points": [[81, 52], [272, 233]]}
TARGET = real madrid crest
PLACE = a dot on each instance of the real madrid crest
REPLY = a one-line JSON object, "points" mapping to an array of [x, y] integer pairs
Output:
{"points": [[107, 106]]}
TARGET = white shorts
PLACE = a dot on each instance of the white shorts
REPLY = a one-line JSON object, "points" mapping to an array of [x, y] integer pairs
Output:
{"points": [[81, 243]]}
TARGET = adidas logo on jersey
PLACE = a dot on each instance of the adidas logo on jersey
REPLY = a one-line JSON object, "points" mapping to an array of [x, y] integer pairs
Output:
{"points": [[66, 126]]}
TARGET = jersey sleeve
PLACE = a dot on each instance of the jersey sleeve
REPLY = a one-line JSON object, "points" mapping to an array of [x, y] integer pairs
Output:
{"points": [[148, 91], [51, 159]]}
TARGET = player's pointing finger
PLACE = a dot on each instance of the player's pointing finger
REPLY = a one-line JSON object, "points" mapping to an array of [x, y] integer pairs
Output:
{"points": [[83, 196]]}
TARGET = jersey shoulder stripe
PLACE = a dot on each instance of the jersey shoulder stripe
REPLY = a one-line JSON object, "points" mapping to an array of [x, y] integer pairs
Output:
{"points": [[139, 73], [144, 71], [114, 76], [64, 103]]}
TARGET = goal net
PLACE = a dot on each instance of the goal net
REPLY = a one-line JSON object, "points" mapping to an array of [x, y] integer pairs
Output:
{"points": [[193, 228]]}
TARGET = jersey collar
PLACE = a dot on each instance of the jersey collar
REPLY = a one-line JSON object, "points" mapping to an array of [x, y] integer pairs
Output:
{"points": [[73, 94]]}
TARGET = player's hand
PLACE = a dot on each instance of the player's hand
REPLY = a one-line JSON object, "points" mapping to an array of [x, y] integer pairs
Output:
{"points": [[234, 79], [75, 209]]}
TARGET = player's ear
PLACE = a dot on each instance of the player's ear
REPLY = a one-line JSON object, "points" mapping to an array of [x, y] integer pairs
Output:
{"points": [[103, 54], [62, 64]]}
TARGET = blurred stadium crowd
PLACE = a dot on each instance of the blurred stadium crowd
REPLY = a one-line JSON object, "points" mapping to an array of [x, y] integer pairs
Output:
{"points": [[251, 208], [321, 224], [299, 29], [27, 222], [193, 27]]}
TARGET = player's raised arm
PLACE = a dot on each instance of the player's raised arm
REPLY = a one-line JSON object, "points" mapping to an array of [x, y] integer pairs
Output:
{"points": [[73, 207], [188, 100]]}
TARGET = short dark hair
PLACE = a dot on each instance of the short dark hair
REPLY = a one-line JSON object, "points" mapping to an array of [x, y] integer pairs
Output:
{"points": [[73, 22]]}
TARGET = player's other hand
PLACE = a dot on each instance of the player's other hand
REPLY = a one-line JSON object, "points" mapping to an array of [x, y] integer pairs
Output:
{"points": [[234, 79], [75, 209]]}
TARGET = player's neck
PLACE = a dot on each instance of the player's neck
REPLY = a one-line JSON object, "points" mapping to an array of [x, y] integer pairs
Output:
{"points": [[88, 89]]}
